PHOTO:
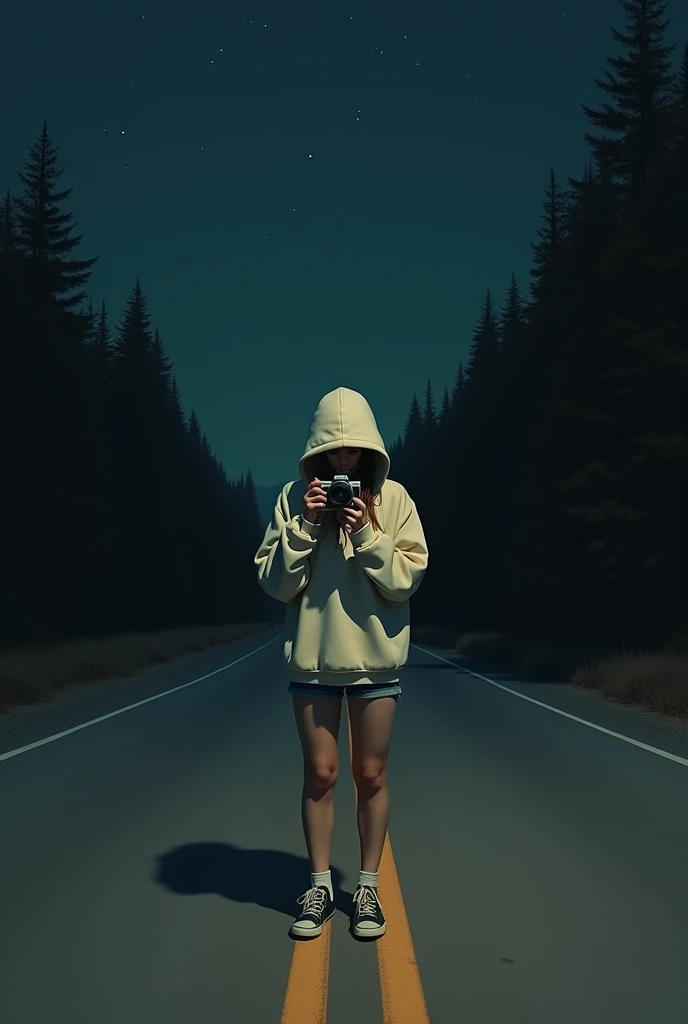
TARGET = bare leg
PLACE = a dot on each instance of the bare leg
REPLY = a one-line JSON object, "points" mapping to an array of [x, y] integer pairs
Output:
{"points": [[371, 734], [317, 720]]}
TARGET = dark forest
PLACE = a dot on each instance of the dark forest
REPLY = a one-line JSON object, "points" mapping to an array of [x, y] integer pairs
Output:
{"points": [[552, 481]]}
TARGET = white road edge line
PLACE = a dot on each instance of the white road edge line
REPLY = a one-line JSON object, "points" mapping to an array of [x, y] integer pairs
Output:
{"points": [[557, 711], [130, 707]]}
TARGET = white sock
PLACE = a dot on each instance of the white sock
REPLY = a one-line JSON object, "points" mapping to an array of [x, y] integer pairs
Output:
{"points": [[322, 878], [368, 878]]}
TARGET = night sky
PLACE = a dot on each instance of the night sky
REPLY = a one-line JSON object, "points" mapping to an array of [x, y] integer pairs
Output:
{"points": [[312, 194]]}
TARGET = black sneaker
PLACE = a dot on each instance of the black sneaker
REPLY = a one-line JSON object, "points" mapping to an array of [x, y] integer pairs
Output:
{"points": [[318, 907], [368, 921]]}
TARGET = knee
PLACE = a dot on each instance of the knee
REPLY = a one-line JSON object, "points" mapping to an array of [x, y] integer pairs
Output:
{"points": [[321, 775], [370, 775]]}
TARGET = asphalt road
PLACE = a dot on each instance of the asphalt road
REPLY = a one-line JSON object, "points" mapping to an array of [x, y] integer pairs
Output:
{"points": [[536, 870]]}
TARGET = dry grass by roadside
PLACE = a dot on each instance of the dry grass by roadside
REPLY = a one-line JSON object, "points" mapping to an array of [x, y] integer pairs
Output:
{"points": [[658, 680], [655, 679], [34, 674]]}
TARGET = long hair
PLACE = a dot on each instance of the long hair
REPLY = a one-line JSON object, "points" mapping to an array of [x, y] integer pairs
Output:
{"points": [[319, 465]]}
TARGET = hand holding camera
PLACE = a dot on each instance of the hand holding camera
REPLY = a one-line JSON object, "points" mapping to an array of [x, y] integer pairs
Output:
{"points": [[315, 500], [339, 495]]}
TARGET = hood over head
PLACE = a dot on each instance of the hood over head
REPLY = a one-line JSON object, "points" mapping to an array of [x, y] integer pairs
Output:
{"points": [[344, 419]]}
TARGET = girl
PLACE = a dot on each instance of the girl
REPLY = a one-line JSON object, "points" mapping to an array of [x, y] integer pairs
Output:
{"points": [[346, 576]]}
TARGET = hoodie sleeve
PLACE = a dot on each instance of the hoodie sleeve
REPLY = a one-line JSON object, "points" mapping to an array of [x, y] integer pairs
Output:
{"points": [[283, 557], [395, 565]]}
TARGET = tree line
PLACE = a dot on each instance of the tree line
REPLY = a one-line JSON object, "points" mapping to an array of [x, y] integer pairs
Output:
{"points": [[553, 480], [116, 513]]}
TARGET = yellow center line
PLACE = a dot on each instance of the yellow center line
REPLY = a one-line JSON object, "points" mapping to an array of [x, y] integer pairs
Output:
{"points": [[403, 1001], [305, 1001]]}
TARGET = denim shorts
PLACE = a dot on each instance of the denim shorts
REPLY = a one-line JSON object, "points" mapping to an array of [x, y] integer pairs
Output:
{"points": [[361, 691]]}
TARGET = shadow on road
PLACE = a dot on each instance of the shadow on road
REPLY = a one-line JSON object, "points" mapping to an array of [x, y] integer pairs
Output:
{"points": [[268, 878]]}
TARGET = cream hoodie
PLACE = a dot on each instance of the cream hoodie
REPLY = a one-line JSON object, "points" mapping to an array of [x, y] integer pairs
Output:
{"points": [[347, 618]]}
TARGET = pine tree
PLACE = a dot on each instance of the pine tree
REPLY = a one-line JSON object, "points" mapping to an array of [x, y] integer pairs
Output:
{"points": [[456, 440], [549, 288], [8, 243], [133, 346], [414, 435], [573, 443], [118, 513], [676, 215], [177, 411], [409, 451], [162, 369], [44, 233], [680, 107], [550, 248], [245, 568], [639, 85], [145, 464], [396, 459], [102, 340], [480, 483], [429, 418], [483, 357], [512, 320], [458, 390], [201, 536], [514, 378], [54, 462], [444, 418], [194, 430], [544, 561]]}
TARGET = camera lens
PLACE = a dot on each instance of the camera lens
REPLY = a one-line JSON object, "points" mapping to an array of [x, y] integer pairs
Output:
{"points": [[340, 493]]}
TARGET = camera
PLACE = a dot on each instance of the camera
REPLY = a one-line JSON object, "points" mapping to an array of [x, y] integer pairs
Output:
{"points": [[340, 490]]}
